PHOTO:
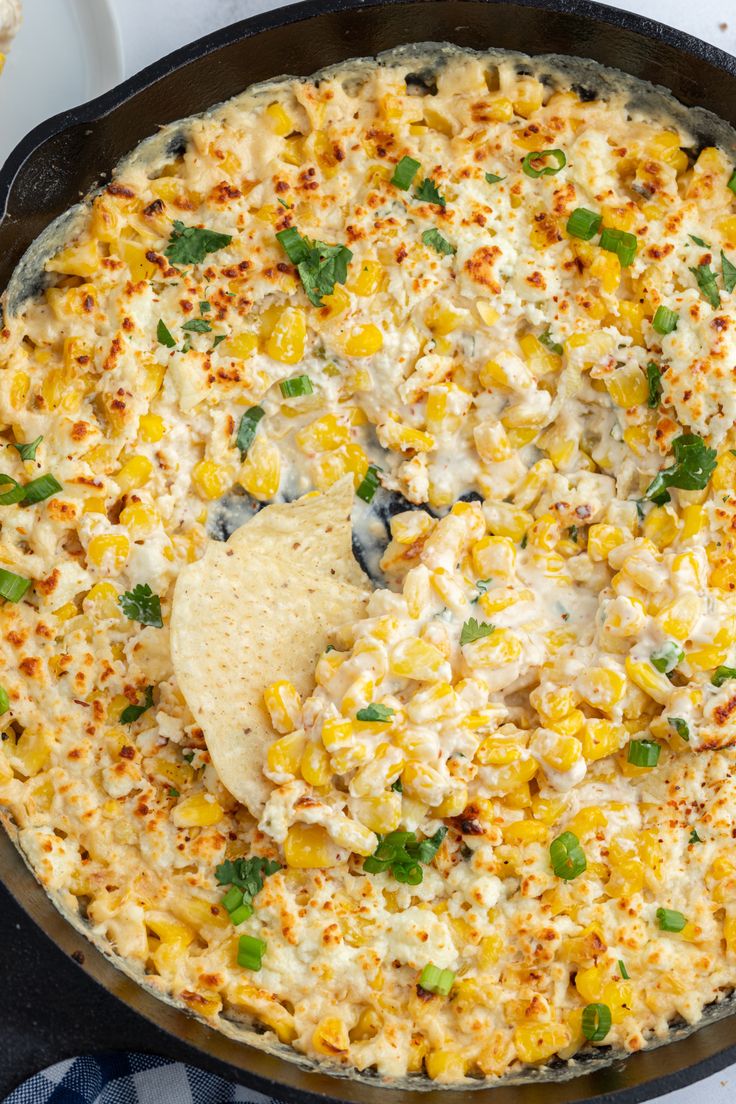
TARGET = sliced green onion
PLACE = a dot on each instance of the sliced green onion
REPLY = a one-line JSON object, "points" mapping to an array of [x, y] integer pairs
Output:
{"points": [[567, 856], [537, 156], [732, 183], [247, 429], [682, 728], [666, 658], [670, 920], [16, 491], [376, 712], [404, 173], [250, 952], [39, 489], [491, 178], [233, 899], [620, 242], [622, 970], [722, 673], [4, 700], [296, 386], [596, 1022], [665, 320], [242, 913], [12, 587], [583, 223], [434, 980], [644, 753], [369, 484]]}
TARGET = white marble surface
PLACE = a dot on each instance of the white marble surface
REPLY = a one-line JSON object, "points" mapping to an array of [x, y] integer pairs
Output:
{"points": [[151, 28]]}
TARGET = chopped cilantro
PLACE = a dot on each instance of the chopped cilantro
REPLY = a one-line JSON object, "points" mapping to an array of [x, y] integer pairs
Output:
{"points": [[376, 712], [28, 452], [131, 713], [694, 837], [320, 266], [706, 279], [401, 853], [491, 178], [441, 245], [548, 342], [475, 630], [164, 335], [427, 192], [197, 325], [141, 604], [729, 273], [654, 379], [191, 244], [694, 465]]}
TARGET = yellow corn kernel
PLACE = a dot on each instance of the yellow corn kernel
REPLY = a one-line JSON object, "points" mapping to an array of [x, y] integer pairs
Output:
{"points": [[324, 433], [525, 831], [649, 679], [134, 255], [381, 813], [442, 319], [211, 480], [454, 802], [307, 847], [589, 983], [628, 386], [134, 473], [547, 809], [81, 259], [260, 473], [279, 119], [109, 551], [241, 346], [364, 341], [397, 436], [601, 738], [569, 725], [505, 520], [535, 1042], [445, 1065], [528, 97], [706, 657], [102, 600], [562, 753], [602, 687], [337, 733], [492, 374], [416, 659], [288, 336], [678, 617], [315, 765], [139, 520], [494, 556], [367, 279], [729, 933], [488, 314], [587, 820], [693, 521], [500, 648], [284, 704], [661, 526], [200, 810], [331, 1037], [538, 356], [284, 756], [544, 533], [19, 388], [553, 703], [151, 427], [497, 753], [559, 445]]}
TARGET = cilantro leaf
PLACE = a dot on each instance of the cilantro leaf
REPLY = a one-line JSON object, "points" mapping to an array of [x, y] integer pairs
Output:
{"points": [[706, 279], [698, 241], [694, 465], [475, 630], [491, 178], [441, 245], [131, 713], [191, 244], [376, 712], [197, 325], [694, 837], [729, 273], [320, 266], [427, 192], [28, 452], [164, 335], [218, 339], [141, 604], [654, 379]]}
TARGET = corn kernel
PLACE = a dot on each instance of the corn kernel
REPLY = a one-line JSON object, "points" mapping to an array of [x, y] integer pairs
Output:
{"points": [[109, 551], [315, 765], [197, 811], [151, 427], [283, 702], [307, 846], [364, 341], [288, 336], [211, 480]]}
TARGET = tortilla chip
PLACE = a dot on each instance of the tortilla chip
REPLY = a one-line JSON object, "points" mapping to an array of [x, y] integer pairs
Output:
{"points": [[317, 528], [251, 611]]}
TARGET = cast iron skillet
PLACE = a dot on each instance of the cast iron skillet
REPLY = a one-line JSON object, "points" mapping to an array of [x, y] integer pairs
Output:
{"points": [[62, 159]]}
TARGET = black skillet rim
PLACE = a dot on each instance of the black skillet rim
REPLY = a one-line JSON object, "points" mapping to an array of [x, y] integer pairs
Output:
{"points": [[206, 1044]]}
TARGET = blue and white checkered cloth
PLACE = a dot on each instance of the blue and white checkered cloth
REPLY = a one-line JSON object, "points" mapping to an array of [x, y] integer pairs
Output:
{"points": [[129, 1079]]}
